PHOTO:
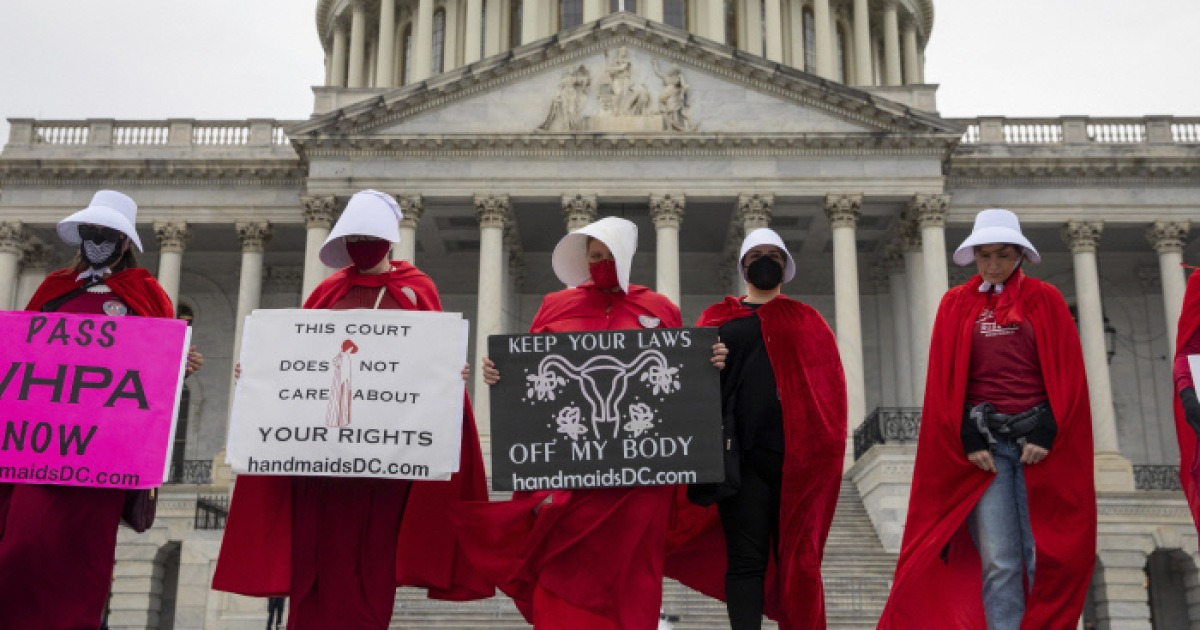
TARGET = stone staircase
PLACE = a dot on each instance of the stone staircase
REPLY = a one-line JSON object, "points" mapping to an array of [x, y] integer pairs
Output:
{"points": [[857, 574]]}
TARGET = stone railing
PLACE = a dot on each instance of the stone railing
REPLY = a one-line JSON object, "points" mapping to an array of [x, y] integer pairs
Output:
{"points": [[211, 512], [148, 133], [887, 425], [1156, 477], [1080, 130], [192, 471]]}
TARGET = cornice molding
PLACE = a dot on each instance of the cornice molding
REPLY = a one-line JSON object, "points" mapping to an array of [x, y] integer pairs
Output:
{"points": [[198, 172]]}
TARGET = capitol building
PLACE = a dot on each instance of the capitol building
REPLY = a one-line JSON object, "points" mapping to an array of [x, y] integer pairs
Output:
{"points": [[501, 124]]}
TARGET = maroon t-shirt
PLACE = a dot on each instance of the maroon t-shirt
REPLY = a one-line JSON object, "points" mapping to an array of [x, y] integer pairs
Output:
{"points": [[1005, 369]]}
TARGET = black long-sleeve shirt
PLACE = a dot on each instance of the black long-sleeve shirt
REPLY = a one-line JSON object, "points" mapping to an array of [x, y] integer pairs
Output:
{"points": [[757, 411]]}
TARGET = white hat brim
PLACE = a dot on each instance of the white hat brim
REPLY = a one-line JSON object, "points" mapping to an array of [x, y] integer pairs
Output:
{"points": [[994, 235], [359, 220], [570, 259], [68, 228]]}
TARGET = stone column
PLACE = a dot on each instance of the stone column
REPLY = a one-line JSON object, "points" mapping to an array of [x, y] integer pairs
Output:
{"points": [[930, 213], [1113, 472], [450, 44], [578, 210], [914, 264], [413, 208], [494, 212], [492, 38], [35, 262], [716, 21], [653, 10], [667, 212], [796, 26], [172, 237], [912, 56], [356, 70], [318, 219], [422, 42], [1168, 239], [472, 50], [12, 240], [385, 50], [752, 28], [1119, 589], [862, 43], [843, 212], [531, 20], [338, 73], [254, 236], [826, 64], [753, 212], [901, 328], [774, 24], [891, 45]]}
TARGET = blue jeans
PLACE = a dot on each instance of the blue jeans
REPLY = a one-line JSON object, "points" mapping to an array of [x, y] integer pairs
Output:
{"points": [[999, 526]]}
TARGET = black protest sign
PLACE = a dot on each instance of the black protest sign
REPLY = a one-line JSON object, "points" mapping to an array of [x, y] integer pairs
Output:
{"points": [[605, 408]]}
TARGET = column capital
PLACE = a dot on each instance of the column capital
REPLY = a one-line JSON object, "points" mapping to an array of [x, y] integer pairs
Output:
{"points": [[12, 237], [172, 235], [318, 210], [908, 236], [578, 210], [1082, 236], [412, 207], [754, 210], [843, 210], [493, 211], [1168, 237], [892, 257], [254, 235], [666, 210], [929, 210], [35, 255]]}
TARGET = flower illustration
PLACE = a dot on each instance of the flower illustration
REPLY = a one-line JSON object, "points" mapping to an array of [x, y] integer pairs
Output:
{"points": [[662, 378], [641, 419], [570, 422], [544, 385]]}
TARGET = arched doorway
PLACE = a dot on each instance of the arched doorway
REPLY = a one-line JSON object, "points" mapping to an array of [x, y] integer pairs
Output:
{"points": [[1167, 571]]}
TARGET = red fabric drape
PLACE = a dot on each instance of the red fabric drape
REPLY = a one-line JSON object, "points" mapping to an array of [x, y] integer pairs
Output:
{"points": [[812, 390], [1189, 459], [938, 580], [588, 559], [136, 287], [255, 556]]}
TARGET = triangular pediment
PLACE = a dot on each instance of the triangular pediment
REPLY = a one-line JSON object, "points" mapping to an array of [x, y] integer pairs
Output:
{"points": [[626, 76]]}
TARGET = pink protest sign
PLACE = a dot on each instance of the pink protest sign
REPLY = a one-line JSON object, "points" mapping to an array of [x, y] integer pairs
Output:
{"points": [[88, 400]]}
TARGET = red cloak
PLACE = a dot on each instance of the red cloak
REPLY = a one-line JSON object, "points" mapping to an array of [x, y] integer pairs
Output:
{"points": [[938, 581], [1189, 462], [812, 390], [255, 556], [65, 537], [588, 558]]}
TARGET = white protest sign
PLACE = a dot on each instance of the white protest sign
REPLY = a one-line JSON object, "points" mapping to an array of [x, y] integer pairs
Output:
{"points": [[358, 393], [1194, 366]]}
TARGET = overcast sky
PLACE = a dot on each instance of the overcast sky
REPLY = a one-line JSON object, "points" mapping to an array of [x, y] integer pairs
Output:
{"points": [[209, 59]]}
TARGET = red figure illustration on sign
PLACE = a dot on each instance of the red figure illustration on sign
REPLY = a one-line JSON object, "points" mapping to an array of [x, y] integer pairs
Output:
{"points": [[338, 413]]}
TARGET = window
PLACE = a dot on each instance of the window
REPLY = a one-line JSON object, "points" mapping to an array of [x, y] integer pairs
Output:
{"points": [[810, 41], [439, 41], [616, 5], [675, 13], [570, 13], [406, 38], [731, 23]]}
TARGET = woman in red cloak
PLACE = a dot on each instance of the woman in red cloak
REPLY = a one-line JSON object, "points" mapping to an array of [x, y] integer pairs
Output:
{"points": [[785, 392], [338, 547], [1187, 408], [1001, 529], [63, 539], [582, 559]]}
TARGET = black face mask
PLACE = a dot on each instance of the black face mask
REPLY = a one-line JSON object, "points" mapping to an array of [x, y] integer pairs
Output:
{"points": [[765, 274], [100, 247]]}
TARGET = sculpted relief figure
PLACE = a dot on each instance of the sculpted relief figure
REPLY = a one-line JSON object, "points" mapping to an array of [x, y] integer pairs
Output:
{"points": [[566, 111], [672, 102]]}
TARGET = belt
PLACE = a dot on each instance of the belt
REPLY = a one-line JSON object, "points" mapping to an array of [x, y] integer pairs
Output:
{"points": [[1016, 427]]}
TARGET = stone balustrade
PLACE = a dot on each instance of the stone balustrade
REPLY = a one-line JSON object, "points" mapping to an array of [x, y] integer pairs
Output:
{"points": [[139, 134], [1080, 130]]}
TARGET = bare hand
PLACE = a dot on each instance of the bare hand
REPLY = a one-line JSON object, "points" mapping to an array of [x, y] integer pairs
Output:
{"points": [[491, 375], [237, 370], [1033, 454], [720, 353], [195, 361], [983, 459], [466, 372]]}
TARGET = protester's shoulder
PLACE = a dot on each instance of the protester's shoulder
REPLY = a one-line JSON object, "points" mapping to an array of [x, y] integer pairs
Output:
{"points": [[659, 304]]}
